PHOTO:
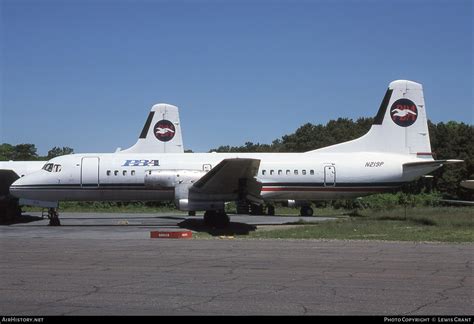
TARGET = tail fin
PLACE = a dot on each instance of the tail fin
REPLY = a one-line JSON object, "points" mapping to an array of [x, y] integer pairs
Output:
{"points": [[161, 132], [400, 125]]}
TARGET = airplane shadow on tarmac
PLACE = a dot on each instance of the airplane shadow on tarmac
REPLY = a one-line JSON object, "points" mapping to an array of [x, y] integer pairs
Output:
{"points": [[197, 225], [233, 228], [20, 220]]}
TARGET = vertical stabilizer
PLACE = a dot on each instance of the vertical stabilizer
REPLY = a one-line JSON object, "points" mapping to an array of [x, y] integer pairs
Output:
{"points": [[400, 125], [161, 132]]}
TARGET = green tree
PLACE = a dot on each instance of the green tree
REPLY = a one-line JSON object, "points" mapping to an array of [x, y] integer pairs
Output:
{"points": [[58, 151], [25, 152], [7, 152], [247, 148], [453, 140]]}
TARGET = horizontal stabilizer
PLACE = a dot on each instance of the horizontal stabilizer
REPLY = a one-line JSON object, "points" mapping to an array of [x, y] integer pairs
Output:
{"points": [[457, 202], [468, 184], [230, 177], [434, 163]]}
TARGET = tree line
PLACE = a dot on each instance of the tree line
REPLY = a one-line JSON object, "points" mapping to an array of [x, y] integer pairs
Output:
{"points": [[28, 152], [451, 140]]}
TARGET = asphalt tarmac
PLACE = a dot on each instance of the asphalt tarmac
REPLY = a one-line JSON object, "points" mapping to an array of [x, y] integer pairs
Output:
{"points": [[107, 265]]}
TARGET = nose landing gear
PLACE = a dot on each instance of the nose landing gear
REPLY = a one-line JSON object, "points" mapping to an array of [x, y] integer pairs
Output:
{"points": [[306, 211], [53, 216]]}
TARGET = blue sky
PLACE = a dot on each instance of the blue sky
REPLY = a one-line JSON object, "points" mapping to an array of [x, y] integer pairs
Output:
{"points": [[85, 73]]}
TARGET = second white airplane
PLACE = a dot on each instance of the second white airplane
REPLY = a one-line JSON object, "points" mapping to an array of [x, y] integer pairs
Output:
{"points": [[396, 150], [149, 141]]}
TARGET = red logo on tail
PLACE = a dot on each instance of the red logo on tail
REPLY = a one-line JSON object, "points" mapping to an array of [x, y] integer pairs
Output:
{"points": [[404, 112], [164, 130]]}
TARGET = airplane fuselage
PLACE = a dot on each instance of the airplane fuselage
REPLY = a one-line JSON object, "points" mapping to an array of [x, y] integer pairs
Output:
{"points": [[284, 176], [394, 151]]}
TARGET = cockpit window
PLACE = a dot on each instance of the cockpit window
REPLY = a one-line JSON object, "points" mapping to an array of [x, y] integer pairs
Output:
{"points": [[48, 167]]}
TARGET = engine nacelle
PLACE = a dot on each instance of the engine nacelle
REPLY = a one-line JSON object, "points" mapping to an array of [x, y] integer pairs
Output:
{"points": [[171, 178]]}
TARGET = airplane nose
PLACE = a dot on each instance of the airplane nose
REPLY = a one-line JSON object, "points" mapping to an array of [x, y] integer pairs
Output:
{"points": [[16, 188], [26, 189]]}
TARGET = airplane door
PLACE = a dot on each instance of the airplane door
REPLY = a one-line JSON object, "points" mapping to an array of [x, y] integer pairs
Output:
{"points": [[90, 172], [329, 176]]}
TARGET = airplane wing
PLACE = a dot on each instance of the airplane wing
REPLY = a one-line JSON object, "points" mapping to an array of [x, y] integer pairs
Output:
{"points": [[232, 178]]}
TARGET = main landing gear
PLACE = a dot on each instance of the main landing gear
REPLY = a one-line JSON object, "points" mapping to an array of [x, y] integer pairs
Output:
{"points": [[244, 207], [306, 211], [271, 210], [216, 218], [53, 216]]}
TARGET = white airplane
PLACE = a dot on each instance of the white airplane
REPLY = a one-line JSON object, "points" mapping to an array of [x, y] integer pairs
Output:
{"points": [[149, 141], [468, 184], [9, 172], [396, 150]]}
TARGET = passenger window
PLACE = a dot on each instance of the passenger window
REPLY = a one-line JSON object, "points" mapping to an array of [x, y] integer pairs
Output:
{"points": [[108, 172], [287, 172], [264, 171], [296, 172], [124, 172], [116, 172], [303, 172], [311, 172], [133, 172], [271, 172], [280, 172]]}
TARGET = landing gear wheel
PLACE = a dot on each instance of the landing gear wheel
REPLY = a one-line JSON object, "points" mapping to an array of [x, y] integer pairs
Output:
{"points": [[209, 216], [306, 211], [242, 207], [53, 217], [217, 219], [271, 210], [256, 209]]}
